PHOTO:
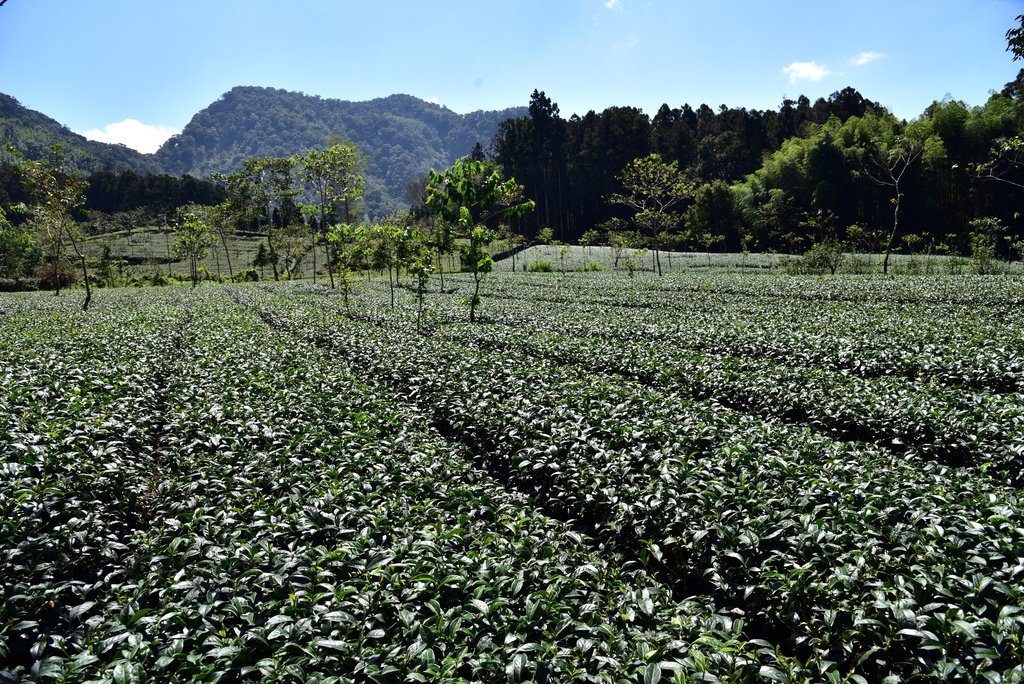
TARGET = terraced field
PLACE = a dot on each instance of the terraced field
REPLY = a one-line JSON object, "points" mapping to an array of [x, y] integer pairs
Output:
{"points": [[696, 478]]}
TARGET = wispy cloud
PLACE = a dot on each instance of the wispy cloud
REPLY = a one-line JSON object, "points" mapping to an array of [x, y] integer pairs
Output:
{"points": [[865, 57], [805, 71], [613, 4], [132, 133], [627, 43]]}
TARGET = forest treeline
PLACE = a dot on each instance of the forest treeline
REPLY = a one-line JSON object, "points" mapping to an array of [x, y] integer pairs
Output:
{"points": [[775, 180], [841, 174]]}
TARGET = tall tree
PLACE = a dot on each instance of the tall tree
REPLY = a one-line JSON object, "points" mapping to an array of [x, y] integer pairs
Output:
{"points": [[655, 190], [261, 186], [193, 236], [886, 164], [467, 196], [334, 174], [57, 195], [223, 224]]}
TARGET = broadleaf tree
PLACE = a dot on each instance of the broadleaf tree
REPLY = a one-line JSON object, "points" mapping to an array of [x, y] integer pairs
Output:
{"points": [[194, 235], [57, 195], [334, 175], [254, 192], [466, 196], [655, 190]]}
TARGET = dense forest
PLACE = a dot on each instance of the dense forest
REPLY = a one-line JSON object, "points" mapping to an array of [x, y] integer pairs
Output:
{"points": [[775, 179]]}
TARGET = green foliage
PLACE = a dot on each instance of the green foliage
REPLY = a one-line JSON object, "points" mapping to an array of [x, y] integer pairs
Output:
{"points": [[654, 188], [826, 256], [56, 197], [19, 251], [193, 236], [1015, 39], [249, 275], [244, 483], [34, 135], [546, 235], [401, 137], [541, 266], [590, 238], [714, 211], [466, 196], [985, 235]]}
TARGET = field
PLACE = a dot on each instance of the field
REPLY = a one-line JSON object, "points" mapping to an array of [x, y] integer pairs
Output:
{"points": [[702, 477]]}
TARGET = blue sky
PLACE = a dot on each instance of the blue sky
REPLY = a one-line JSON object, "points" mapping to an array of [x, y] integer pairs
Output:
{"points": [[99, 66]]}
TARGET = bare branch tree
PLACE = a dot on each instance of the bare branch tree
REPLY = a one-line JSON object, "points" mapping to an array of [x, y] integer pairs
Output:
{"points": [[887, 166]]}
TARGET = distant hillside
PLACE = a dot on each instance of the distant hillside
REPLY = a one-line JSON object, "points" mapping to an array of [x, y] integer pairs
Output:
{"points": [[402, 136], [34, 134]]}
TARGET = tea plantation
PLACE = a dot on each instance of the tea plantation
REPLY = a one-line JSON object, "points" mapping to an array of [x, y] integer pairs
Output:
{"points": [[693, 478]]}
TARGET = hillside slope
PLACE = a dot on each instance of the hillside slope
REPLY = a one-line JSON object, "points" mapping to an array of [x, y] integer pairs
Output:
{"points": [[34, 133], [402, 136]]}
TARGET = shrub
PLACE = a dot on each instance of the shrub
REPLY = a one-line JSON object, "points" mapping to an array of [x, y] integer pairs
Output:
{"points": [[18, 284], [541, 266], [984, 234], [49, 276], [249, 275], [591, 266]]}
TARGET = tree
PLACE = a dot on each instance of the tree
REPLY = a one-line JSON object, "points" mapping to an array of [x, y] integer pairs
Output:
{"points": [[262, 185], [18, 249], [827, 255], [714, 212], [57, 195], [194, 236], [222, 222], [334, 175], [654, 189], [466, 196], [417, 257], [590, 238], [1015, 39], [887, 165], [386, 248], [261, 259], [347, 243]]}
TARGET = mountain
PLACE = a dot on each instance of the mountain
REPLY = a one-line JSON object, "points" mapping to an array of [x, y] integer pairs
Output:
{"points": [[402, 137], [33, 134]]}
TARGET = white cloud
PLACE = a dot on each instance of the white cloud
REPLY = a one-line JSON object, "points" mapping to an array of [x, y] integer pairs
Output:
{"points": [[865, 57], [133, 133], [805, 71], [613, 4], [630, 42]]}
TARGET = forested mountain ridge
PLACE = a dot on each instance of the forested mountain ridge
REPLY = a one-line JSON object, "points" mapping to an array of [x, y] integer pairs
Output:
{"points": [[402, 136], [33, 134]]}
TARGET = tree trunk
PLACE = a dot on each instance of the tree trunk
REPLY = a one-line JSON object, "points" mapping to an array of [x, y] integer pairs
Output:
{"points": [[892, 235], [85, 275], [273, 253], [167, 243], [227, 255], [476, 297], [391, 284]]}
